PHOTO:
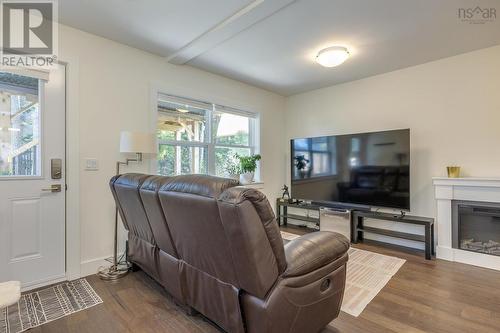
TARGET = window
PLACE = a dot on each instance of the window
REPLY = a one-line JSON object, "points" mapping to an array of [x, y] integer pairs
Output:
{"points": [[19, 126], [199, 137]]}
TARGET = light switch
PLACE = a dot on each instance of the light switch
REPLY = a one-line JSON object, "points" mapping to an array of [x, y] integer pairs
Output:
{"points": [[91, 164]]}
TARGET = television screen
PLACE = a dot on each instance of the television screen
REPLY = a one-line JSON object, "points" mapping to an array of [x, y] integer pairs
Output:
{"points": [[371, 169]]}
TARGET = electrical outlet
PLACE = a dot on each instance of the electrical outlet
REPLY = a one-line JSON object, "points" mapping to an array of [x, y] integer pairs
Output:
{"points": [[91, 164]]}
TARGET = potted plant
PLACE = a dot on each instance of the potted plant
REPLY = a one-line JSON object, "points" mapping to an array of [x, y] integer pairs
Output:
{"points": [[301, 164], [248, 165]]}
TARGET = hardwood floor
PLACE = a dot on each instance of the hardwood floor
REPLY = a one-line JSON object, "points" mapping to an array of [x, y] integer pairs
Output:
{"points": [[133, 304], [429, 296], [424, 296]]}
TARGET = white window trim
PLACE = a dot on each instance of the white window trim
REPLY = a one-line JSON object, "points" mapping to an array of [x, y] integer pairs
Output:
{"points": [[254, 131]]}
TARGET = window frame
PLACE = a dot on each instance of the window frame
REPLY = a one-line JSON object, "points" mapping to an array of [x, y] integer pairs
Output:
{"points": [[210, 145]]}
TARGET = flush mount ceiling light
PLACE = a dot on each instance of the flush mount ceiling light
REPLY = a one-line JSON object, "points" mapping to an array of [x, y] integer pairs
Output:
{"points": [[332, 56]]}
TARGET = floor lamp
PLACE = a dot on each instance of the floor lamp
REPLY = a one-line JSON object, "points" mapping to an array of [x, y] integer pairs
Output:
{"points": [[138, 143]]}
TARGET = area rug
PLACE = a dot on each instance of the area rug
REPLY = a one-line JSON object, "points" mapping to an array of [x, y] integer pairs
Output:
{"points": [[367, 274], [288, 236], [46, 305]]}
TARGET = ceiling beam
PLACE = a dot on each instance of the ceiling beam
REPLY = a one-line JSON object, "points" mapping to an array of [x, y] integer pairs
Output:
{"points": [[246, 17]]}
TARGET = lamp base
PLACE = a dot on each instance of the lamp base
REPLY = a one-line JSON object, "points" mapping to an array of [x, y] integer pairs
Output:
{"points": [[119, 268], [112, 273]]}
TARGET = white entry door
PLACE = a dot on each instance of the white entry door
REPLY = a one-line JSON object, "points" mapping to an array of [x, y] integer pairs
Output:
{"points": [[32, 192]]}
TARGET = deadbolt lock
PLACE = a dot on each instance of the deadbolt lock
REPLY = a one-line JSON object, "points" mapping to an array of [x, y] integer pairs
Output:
{"points": [[56, 168]]}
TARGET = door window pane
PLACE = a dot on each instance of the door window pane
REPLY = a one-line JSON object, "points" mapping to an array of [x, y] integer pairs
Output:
{"points": [[180, 160], [20, 130], [230, 129], [226, 162]]}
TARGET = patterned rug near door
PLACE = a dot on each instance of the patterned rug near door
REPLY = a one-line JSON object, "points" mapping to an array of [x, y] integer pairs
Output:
{"points": [[367, 274], [46, 305]]}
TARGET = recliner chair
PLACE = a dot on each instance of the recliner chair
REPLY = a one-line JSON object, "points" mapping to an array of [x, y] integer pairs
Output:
{"points": [[216, 248]]}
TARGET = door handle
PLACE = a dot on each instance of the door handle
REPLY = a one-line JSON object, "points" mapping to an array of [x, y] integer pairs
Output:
{"points": [[53, 188]]}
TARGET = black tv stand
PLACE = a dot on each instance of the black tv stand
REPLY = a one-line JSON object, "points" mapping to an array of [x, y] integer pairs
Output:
{"points": [[358, 228], [282, 214], [340, 205]]}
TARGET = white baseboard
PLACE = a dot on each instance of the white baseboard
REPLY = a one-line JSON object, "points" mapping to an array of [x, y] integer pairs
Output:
{"points": [[468, 257], [43, 282], [91, 266]]}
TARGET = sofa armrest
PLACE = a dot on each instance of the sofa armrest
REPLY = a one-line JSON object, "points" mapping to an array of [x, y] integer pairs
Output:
{"points": [[312, 251]]}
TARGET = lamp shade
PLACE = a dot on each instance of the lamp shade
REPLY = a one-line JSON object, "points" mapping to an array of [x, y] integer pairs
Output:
{"points": [[137, 142]]}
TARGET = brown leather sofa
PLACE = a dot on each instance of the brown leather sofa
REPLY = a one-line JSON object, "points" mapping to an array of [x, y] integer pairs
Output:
{"points": [[216, 248]]}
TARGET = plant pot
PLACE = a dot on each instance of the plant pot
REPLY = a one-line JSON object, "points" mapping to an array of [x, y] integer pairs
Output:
{"points": [[305, 173], [453, 171], [247, 177]]}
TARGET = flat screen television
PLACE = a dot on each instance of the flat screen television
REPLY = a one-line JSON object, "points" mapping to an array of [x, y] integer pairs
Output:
{"points": [[371, 169]]}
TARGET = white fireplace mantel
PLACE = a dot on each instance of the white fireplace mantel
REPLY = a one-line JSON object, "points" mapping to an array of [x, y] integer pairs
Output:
{"points": [[470, 189]]}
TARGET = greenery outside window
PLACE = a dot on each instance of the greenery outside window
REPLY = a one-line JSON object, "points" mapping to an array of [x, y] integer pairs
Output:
{"points": [[200, 137]]}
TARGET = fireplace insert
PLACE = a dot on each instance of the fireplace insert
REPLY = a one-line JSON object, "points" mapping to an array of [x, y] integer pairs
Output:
{"points": [[476, 227]]}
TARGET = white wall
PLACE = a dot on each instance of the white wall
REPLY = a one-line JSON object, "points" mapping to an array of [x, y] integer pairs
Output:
{"points": [[111, 91], [452, 107]]}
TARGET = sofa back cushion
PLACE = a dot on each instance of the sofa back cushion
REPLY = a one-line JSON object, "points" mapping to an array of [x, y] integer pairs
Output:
{"points": [[191, 212], [125, 189], [152, 206], [254, 238]]}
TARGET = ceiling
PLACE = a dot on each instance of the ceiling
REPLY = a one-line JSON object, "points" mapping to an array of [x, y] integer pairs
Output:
{"points": [[272, 43]]}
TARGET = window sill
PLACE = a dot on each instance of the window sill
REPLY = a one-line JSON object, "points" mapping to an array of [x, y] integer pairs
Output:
{"points": [[254, 185]]}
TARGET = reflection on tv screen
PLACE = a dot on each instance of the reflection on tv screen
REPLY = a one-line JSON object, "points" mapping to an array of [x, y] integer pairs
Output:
{"points": [[367, 168]]}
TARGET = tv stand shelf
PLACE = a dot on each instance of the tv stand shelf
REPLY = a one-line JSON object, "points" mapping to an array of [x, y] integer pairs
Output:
{"points": [[391, 233], [358, 228], [282, 214]]}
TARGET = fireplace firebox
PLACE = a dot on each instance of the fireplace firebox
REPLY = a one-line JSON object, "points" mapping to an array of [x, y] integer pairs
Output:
{"points": [[476, 226]]}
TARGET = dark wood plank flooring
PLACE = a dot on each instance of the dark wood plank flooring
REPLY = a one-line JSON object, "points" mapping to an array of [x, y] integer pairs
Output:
{"points": [[135, 303], [424, 296]]}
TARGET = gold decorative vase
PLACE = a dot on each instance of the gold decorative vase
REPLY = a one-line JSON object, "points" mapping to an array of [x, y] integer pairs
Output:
{"points": [[453, 171]]}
